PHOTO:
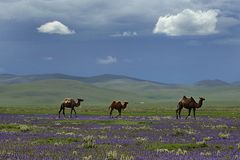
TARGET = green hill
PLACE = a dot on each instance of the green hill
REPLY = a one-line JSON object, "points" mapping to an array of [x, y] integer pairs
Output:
{"points": [[51, 89], [50, 92]]}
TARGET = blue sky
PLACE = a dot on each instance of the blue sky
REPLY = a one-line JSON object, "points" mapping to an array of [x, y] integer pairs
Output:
{"points": [[174, 41]]}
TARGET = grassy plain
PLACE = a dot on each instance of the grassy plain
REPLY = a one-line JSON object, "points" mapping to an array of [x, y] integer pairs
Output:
{"points": [[132, 110], [30, 126], [145, 98]]}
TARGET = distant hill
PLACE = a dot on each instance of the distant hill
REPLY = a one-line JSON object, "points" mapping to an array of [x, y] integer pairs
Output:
{"points": [[236, 83], [53, 91], [14, 79], [11, 78], [50, 89], [211, 83], [110, 77]]}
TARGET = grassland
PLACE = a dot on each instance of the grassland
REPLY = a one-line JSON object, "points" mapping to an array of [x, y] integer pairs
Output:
{"points": [[128, 138], [30, 127], [132, 110], [146, 98]]}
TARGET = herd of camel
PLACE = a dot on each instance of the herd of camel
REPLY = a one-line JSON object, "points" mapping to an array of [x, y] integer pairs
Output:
{"points": [[188, 103]]}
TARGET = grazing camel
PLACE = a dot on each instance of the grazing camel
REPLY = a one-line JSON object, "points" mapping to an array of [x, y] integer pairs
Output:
{"points": [[69, 103], [188, 103], [118, 106]]}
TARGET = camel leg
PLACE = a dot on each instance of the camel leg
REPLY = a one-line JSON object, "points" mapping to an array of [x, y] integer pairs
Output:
{"points": [[64, 112], [60, 112], [119, 113], [111, 112], [189, 112], [75, 112], [179, 113], [194, 110], [71, 112]]}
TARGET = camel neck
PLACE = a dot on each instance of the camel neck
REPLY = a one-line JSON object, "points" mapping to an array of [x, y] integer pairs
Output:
{"points": [[78, 103], [200, 103]]}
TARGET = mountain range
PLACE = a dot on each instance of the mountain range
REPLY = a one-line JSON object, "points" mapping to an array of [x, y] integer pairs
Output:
{"points": [[12, 78]]}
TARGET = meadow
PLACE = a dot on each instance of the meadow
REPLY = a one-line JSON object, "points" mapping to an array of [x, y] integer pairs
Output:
{"points": [[148, 129]]}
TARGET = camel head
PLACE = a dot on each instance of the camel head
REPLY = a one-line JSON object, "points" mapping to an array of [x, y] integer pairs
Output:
{"points": [[80, 100], [199, 104]]}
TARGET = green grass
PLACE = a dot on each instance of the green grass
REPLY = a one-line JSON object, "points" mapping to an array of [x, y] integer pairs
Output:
{"points": [[132, 110], [53, 91], [16, 128], [173, 146], [56, 141], [104, 122], [45, 96]]}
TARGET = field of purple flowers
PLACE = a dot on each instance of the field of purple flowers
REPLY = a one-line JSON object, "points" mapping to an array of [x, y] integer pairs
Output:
{"points": [[127, 138]]}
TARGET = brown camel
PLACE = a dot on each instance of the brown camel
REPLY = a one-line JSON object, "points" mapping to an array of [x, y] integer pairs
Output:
{"points": [[118, 106], [69, 103], [188, 103]]}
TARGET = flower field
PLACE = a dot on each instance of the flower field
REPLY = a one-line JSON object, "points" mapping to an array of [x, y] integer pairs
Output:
{"points": [[128, 138]]}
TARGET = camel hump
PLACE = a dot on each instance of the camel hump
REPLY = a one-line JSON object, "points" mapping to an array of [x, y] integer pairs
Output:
{"points": [[192, 99], [113, 102], [118, 103], [68, 100], [184, 98]]}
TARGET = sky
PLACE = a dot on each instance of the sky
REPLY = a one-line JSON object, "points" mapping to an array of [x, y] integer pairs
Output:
{"points": [[170, 41]]}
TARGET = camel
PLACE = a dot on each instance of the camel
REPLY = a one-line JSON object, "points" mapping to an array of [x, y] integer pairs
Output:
{"points": [[118, 106], [69, 103], [188, 103]]}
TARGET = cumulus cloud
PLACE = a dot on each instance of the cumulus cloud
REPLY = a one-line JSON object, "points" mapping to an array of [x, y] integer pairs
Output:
{"points": [[55, 27], [188, 22], [96, 14], [107, 60], [125, 34], [109, 16]]}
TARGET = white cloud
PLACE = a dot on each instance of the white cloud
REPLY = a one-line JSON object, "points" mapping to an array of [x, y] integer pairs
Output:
{"points": [[125, 34], [107, 60], [91, 16], [48, 58], [188, 22], [55, 27]]}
